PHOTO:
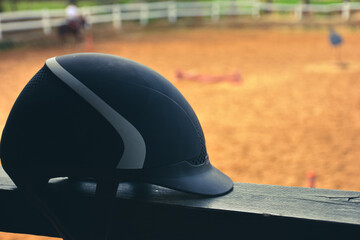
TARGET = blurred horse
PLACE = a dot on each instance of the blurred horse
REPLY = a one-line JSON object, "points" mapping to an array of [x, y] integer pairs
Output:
{"points": [[72, 28]]}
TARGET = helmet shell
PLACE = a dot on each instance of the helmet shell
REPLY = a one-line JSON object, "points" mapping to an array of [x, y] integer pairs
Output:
{"points": [[94, 115]]}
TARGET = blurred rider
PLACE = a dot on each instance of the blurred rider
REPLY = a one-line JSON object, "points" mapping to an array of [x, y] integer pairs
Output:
{"points": [[73, 16]]}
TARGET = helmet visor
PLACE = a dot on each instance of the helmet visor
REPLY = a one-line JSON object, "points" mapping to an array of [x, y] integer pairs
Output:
{"points": [[202, 179]]}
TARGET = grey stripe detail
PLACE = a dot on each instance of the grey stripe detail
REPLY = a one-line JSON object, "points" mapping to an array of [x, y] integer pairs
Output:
{"points": [[134, 144]]}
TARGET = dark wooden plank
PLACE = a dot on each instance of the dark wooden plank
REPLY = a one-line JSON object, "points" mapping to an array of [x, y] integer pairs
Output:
{"points": [[144, 211]]}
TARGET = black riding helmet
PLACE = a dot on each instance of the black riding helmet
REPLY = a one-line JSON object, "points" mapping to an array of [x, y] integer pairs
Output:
{"points": [[95, 115]]}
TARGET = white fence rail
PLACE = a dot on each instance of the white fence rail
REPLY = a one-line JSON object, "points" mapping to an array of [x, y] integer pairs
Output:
{"points": [[143, 12]]}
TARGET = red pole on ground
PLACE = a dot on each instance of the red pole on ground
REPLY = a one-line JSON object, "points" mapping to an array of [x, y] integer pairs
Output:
{"points": [[89, 42], [311, 177]]}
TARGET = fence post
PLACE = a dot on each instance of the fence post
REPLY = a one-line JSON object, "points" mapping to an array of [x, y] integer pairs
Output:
{"points": [[0, 27], [46, 21], [117, 20], [256, 9], [215, 11], [346, 11], [299, 12], [172, 14], [144, 14], [233, 8], [86, 12]]}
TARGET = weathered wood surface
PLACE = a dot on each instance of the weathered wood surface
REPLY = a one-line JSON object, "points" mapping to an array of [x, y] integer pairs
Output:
{"points": [[145, 211]]}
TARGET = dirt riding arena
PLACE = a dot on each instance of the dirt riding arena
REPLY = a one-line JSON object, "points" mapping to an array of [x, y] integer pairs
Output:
{"points": [[296, 110]]}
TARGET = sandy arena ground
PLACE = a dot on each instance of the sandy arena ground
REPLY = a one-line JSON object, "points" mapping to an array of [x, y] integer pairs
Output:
{"points": [[297, 109]]}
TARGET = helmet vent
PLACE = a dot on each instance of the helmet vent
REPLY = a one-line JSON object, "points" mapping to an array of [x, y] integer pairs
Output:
{"points": [[37, 79], [202, 157]]}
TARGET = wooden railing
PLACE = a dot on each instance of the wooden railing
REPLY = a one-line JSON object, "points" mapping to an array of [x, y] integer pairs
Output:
{"points": [[143, 12], [142, 211]]}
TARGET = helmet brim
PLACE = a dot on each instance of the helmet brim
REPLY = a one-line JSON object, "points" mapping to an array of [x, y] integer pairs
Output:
{"points": [[202, 179]]}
